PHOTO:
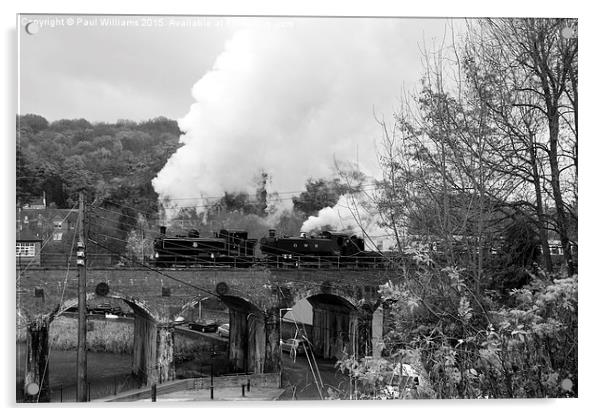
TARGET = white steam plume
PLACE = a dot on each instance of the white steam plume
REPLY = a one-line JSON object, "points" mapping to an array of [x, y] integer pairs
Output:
{"points": [[354, 214], [287, 102]]}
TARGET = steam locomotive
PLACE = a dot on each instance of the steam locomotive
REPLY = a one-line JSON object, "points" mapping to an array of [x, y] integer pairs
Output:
{"points": [[227, 247], [233, 248], [325, 249]]}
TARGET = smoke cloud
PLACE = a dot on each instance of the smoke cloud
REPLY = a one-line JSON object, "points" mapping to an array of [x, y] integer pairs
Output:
{"points": [[289, 102], [354, 214]]}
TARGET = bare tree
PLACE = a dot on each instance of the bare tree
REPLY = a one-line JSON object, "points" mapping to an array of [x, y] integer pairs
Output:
{"points": [[437, 159], [526, 73]]}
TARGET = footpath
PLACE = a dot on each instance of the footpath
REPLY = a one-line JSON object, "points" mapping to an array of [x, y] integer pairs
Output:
{"points": [[221, 394]]}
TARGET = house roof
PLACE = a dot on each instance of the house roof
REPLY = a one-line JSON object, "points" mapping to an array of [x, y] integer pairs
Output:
{"points": [[39, 223], [37, 201], [49, 214]]}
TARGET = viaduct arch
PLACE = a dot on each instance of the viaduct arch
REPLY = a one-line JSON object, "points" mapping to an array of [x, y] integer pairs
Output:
{"points": [[343, 303], [152, 352]]}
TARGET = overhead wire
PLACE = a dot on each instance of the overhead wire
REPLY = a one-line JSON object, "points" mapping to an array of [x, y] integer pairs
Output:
{"points": [[211, 263], [187, 258], [156, 270], [362, 187], [158, 233], [205, 245]]}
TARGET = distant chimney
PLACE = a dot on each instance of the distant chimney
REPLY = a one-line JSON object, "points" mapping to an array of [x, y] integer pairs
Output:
{"points": [[271, 233], [162, 229]]}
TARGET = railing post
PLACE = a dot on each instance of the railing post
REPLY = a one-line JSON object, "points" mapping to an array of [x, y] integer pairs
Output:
{"points": [[212, 357], [154, 392]]}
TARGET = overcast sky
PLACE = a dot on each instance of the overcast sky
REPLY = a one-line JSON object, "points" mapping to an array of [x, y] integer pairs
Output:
{"points": [[285, 96], [99, 70]]}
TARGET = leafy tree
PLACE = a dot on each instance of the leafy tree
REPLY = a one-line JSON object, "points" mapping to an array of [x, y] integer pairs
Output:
{"points": [[290, 222], [32, 122], [461, 345], [262, 195], [65, 125], [318, 194], [27, 178], [521, 244], [112, 163], [140, 240]]}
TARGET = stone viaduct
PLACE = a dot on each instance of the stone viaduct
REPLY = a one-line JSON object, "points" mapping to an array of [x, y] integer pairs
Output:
{"points": [[343, 303]]}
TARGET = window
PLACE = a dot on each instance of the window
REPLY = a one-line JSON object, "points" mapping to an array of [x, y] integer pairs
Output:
{"points": [[58, 225], [26, 249], [57, 236], [26, 220]]}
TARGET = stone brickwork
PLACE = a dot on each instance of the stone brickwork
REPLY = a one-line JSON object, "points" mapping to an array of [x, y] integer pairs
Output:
{"points": [[262, 287], [254, 297]]}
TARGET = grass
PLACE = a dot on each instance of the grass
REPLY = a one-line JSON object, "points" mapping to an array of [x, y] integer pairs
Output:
{"points": [[102, 336], [115, 337]]}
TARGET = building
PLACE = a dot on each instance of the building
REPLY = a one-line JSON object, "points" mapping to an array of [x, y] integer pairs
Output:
{"points": [[44, 235], [29, 248]]}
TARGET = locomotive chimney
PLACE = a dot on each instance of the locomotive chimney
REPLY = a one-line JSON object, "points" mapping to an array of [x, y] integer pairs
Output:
{"points": [[162, 230], [271, 233]]}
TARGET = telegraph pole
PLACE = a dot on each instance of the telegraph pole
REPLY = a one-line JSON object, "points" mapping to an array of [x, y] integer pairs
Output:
{"points": [[82, 364]]}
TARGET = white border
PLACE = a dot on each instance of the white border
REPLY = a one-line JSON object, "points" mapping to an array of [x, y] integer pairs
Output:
{"points": [[589, 20]]}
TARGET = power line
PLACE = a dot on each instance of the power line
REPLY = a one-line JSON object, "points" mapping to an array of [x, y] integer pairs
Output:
{"points": [[210, 247], [155, 232], [183, 257], [363, 187], [155, 270]]}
